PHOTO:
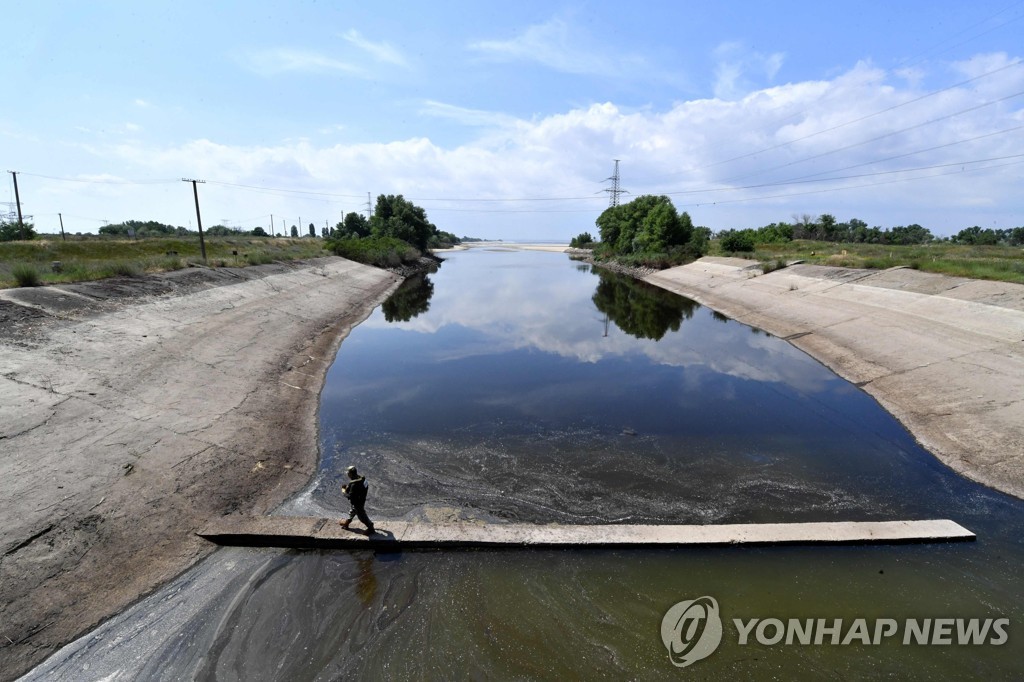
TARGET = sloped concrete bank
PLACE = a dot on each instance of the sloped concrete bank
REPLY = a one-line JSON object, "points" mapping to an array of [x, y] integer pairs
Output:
{"points": [[944, 355], [136, 409]]}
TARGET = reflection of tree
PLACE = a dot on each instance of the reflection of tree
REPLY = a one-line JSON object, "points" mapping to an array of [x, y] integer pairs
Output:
{"points": [[409, 300], [640, 309]]}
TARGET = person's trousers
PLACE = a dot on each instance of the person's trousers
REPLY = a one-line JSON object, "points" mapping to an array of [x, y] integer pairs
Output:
{"points": [[360, 512]]}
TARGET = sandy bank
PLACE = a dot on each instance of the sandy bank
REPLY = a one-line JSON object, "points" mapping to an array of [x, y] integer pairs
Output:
{"points": [[136, 409], [945, 355]]}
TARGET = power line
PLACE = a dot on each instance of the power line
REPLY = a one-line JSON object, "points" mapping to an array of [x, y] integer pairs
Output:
{"points": [[913, 153], [876, 139], [287, 191], [862, 186], [845, 123], [842, 177], [101, 182]]}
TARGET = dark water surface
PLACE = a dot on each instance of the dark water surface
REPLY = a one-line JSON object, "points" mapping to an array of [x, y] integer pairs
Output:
{"points": [[514, 386]]}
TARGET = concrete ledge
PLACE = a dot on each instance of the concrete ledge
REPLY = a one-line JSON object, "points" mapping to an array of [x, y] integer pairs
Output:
{"points": [[319, 533]]}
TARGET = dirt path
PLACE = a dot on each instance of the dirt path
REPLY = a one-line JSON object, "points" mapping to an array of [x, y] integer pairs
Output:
{"points": [[945, 355], [136, 409]]}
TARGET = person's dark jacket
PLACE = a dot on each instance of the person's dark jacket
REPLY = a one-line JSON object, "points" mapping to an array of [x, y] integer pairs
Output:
{"points": [[355, 490]]}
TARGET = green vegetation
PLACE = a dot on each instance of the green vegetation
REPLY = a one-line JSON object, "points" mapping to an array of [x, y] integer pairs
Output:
{"points": [[980, 253], [93, 257], [12, 231], [733, 241], [1002, 263], [397, 233], [649, 232], [25, 275], [383, 252], [584, 240]]}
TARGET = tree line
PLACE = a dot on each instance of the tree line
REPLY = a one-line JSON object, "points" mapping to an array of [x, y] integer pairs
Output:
{"points": [[855, 231]]}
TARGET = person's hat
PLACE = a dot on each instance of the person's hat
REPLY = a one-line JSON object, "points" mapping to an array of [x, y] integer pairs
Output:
{"points": [[351, 470]]}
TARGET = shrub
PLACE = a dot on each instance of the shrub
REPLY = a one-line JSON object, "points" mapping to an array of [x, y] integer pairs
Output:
{"points": [[259, 258], [171, 263], [25, 275], [383, 252], [733, 241], [583, 240], [120, 269]]}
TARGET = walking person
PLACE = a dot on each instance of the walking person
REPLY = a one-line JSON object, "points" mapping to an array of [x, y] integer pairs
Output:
{"points": [[355, 490]]}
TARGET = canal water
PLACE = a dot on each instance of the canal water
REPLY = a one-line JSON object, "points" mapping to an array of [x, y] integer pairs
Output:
{"points": [[516, 386]]}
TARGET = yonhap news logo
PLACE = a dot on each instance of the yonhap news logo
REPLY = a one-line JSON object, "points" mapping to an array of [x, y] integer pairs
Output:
{"points": [[692, 630]]}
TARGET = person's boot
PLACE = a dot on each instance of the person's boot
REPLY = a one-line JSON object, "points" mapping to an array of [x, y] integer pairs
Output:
{"points": [[344, 524]]}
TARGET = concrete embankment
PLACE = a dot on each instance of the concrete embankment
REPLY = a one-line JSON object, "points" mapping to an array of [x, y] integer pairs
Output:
{"points": [[945, 355], [136, 409]]}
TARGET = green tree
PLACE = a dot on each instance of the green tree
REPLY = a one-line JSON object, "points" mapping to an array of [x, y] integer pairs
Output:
{"points": [[258, 232], [582, 241], [295, 231], [911, 234], [355, 225], [312, 230], [394, 216], [733, 241], [12, 231], [648, 224]]}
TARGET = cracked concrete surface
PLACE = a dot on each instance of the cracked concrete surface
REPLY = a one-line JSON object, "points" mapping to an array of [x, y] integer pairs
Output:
{"points": [[129, 421], [945, 355]]}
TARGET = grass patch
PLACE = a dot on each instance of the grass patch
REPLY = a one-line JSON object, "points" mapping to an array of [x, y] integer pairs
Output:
{"points": [[121, 269], [91, 257], [259, 257], [25, 275], [1000, 263], [772, 265]]}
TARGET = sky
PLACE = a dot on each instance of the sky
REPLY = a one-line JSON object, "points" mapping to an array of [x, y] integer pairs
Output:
{"points": [[504, 120]]}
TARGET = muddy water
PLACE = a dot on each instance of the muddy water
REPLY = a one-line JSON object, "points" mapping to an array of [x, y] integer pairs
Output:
{"points": [[523, 387]]}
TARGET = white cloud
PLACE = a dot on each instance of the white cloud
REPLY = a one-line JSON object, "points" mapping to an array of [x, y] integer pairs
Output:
{"points": [[687, 150], [383, 52], [556, 45], [737, 67], [468, 117], [280, 60], [141, 103]]}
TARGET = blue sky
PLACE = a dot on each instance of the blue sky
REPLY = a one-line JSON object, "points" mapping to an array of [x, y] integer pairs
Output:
{"points": [[502, 119]]}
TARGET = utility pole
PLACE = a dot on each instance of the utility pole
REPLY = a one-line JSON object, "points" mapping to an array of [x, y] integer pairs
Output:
{"points": [[369, 209], [62, 237], [272, 225], [199, 219], [299, 233], [17, 199], [614, 191]]}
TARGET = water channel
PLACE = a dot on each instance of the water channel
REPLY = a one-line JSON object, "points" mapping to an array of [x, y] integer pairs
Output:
{"points": [[522, 386]]}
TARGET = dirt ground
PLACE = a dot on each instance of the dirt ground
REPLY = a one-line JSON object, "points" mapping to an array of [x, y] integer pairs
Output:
{"points": [[135, 409]]}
